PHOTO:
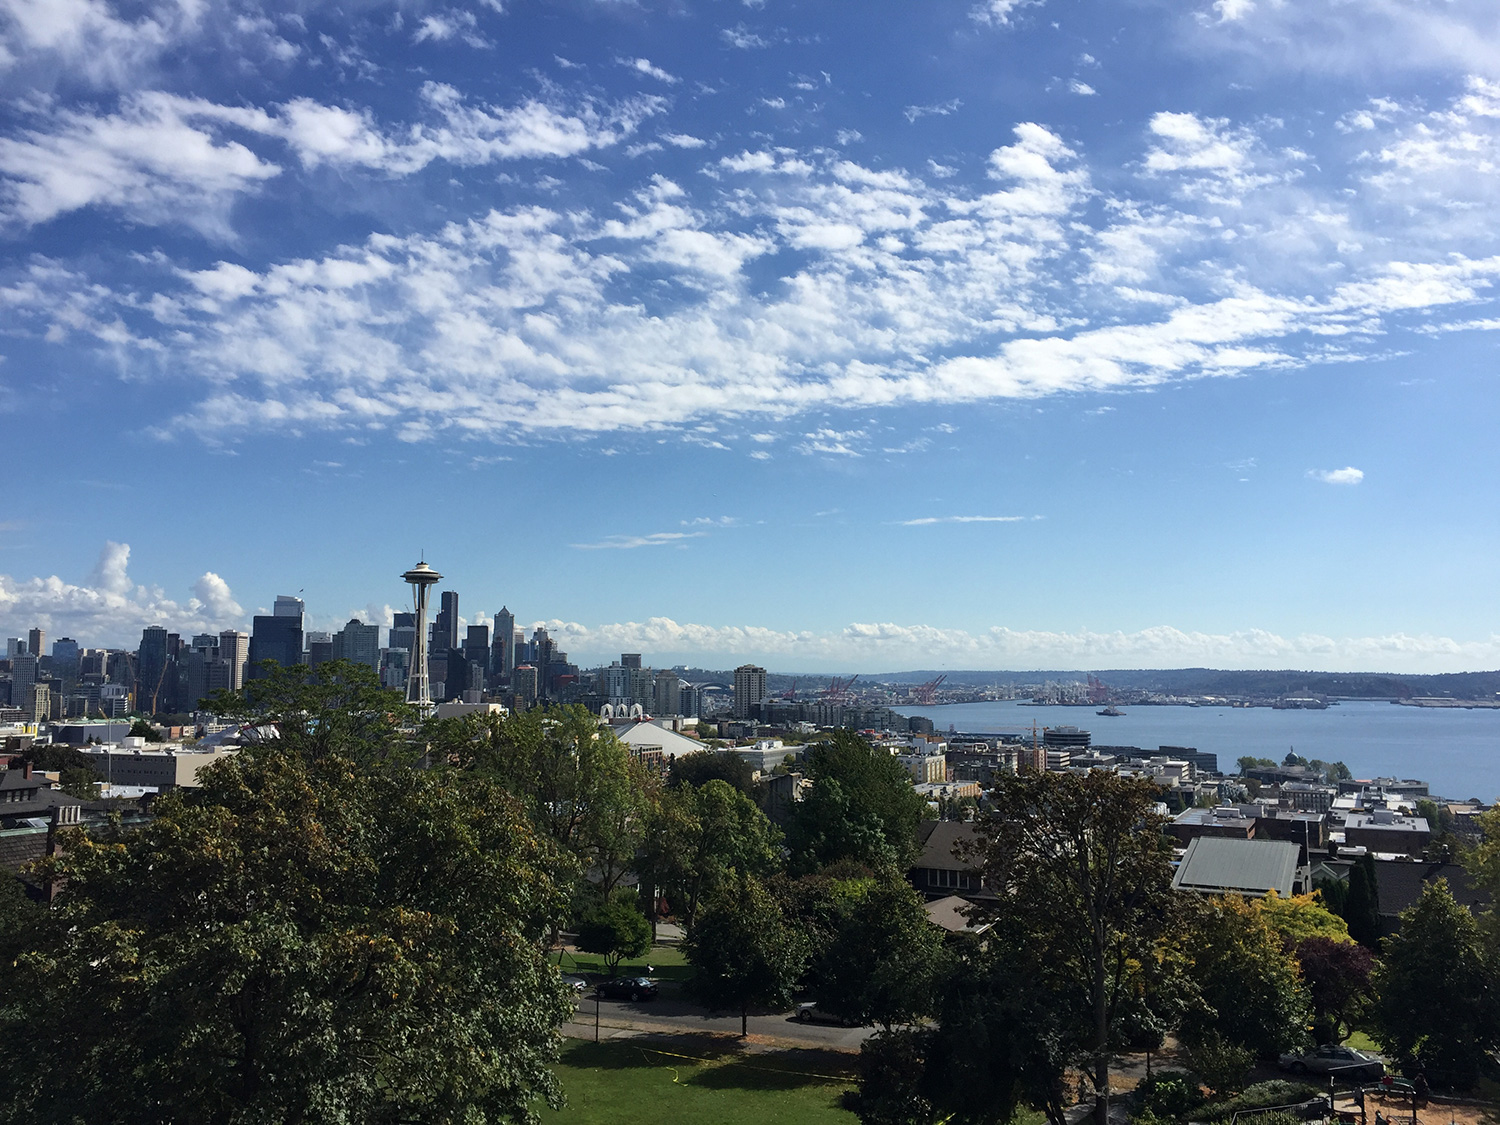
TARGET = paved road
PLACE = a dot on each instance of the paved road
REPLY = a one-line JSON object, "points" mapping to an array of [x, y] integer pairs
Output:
{"points": [[672, 1014]]}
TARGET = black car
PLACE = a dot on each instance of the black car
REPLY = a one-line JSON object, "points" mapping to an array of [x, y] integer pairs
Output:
{"points": [[628, 988]]}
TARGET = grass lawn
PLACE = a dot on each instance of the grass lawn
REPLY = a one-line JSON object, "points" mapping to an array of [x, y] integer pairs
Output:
{"points": [[626, 1083], [666, 963], [1362, 1042]]}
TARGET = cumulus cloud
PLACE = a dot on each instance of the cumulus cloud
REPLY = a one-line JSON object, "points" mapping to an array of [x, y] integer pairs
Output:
{"points": [[163, 157], [1347, 475], [111, 608], [884, 646], [1000, 13]]}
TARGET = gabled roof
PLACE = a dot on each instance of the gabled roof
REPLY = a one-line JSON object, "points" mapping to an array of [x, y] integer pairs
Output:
{"points": [[649, 736], [952, 914], [1399, 884], [938, 838], [1214, 865]]}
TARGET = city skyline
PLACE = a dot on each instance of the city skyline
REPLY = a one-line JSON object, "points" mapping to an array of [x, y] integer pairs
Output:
{"points": [[1006, 335]]}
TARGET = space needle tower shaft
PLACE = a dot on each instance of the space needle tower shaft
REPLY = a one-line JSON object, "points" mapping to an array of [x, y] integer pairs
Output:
{"points": [[421, 578]]}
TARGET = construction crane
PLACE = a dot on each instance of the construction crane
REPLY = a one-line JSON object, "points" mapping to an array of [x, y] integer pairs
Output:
{"points": [[838, 690], [790, 693], [926, 694]]}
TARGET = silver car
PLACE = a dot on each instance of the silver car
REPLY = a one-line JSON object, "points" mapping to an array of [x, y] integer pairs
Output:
{"points": [[1342, 1062]]}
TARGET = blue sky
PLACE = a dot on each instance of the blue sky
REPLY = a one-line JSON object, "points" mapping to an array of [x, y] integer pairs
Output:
{"points": [[838, 336]]}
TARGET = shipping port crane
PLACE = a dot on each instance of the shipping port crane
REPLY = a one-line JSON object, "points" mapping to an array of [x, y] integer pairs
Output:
{"points": [[926, 694]]}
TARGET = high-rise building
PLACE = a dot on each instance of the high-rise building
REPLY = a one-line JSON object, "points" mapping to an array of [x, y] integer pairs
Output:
{"points": [[446, 623], [288, 606], [404, 631], [687, 700], [65, 657], [503, 658], [234, 651], [153, 680], [630, 659], [523, 685], [14, 647], [395, 665], [477, 650], [668, 694], [35, 642], [749, 689], [358, 642], [23, 670], [274, 637]]}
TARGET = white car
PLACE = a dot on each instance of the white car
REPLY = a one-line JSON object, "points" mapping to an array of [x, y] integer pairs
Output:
{"points": [[809, 1012], [576, 983]]}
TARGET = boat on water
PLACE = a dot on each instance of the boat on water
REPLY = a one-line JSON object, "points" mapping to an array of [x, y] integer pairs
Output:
{"points": [[1112, 711]]}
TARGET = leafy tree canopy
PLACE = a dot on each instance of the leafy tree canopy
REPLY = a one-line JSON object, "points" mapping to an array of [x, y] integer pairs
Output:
{"points": [[1439, 1000], [616, 930], [744, 951], [1300, 917], [703, 766], [883, 960], [300, 939], [861, 807]]}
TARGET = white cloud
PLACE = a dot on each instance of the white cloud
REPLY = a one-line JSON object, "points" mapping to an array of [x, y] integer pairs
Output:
{"points": [[885, 646], [1000, 13], [1083, 89], [940, 109], [1347, 475], [631, 542], [646, 67], [439, 27], [162, 157], [111, 608], [742, 38], [683, 140], [926, 521]]}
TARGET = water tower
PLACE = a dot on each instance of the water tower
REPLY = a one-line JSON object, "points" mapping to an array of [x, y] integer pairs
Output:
{"points": [[421, 578]]}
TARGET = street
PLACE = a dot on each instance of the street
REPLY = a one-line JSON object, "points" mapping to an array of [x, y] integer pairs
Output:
{"points": [[672, 1014]]}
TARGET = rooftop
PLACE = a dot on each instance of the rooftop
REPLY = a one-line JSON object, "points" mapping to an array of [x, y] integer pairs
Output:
{"points": [[1215, 865]]}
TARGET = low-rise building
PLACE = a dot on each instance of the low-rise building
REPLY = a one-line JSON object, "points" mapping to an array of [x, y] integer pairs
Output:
{"points": [[1382, 830], [1213, 865]]}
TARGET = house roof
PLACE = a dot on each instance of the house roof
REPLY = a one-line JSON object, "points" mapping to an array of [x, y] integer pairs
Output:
{"points": [[1399, 884], [938, 838], [649, 736], [952, 914], [1215, 865]]}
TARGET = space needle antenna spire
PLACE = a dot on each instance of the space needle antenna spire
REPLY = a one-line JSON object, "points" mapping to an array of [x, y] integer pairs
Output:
{"points": [[421, 578]]}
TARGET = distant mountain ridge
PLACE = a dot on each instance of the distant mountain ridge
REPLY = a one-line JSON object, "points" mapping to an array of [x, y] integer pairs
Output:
{"points": [[1215, 681]]}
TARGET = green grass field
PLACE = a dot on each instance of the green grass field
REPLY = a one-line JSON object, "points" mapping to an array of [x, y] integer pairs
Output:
{"points": [[631, 1083], [666, 963]]}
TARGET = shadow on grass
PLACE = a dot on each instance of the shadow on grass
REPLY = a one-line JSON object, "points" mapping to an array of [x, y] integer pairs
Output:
{"points": [[784, 1070], [636, 1054]]}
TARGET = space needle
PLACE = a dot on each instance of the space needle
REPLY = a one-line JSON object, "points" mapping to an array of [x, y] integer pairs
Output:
{"points": [[421, 578]]}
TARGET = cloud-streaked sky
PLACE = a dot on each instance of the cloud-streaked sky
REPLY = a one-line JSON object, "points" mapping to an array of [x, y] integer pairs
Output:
{"points": [[843, 336]]}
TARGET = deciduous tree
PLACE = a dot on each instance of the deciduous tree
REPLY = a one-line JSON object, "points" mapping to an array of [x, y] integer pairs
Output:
{"points": [[884, 958], [862, 807], [615, 930], [299, 939], [1080, 866], [744, 952], [1438, 1007]]}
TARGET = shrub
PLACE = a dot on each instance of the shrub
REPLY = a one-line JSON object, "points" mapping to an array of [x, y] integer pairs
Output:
{"points": [[1168, 1095], [1277, 1092]]}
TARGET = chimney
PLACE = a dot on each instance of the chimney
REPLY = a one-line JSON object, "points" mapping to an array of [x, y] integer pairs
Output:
{"points": [[26, 769]]}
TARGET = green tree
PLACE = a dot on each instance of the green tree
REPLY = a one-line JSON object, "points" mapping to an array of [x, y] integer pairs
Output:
{"points": [[703, 766], [1246, 979], [141, 728], [575, 778], [744, 952], [1362, 903], [1483, 865], [335, 709], [82, 783], [1438, 1006], [295, 940], [615, 930], [1250, 763], [1080, 866], [701, 838], [883, 960], [861, 807]]}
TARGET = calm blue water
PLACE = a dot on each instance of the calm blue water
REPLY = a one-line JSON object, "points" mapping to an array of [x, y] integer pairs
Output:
{"points": [[1456, 752]]}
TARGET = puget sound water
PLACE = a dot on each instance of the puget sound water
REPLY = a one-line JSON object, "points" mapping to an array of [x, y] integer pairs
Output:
{"points": [[1456, 751]]}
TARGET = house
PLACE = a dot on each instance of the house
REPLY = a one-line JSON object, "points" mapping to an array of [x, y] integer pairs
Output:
{"points": [[1214, 865], [1231, 822], [1399, 883], [939, 872], [953, 914]]}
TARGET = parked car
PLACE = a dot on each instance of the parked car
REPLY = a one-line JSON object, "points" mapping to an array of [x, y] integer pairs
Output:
{"points": [[628, 988], [576, 983], [809, 1012], [1344, 1063]]}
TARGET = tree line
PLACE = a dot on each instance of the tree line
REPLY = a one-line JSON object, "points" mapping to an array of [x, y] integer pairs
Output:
{"points": [[351, 923]]}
